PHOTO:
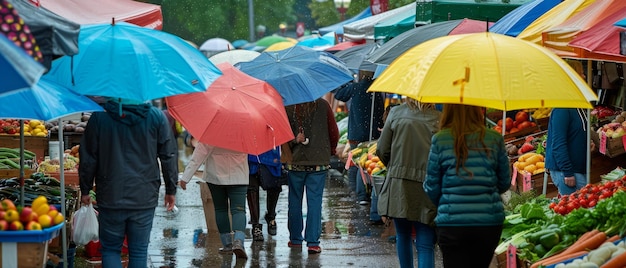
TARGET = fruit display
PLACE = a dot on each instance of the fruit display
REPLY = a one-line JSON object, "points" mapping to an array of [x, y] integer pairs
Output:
{"points": [[31, 127], [70, 163], [529, 144], [365, 157], [532, 163], [588, 196], [613, 130], [38, 184], [39, 215], [541, 113], [521, 121]]}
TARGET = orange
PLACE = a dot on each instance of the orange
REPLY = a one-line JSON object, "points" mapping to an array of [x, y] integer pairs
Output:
{"points": [[375, 159]]}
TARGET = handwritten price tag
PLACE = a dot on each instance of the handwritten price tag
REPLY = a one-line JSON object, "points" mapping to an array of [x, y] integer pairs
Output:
{"points": [[349, 161], [527, 182], [514, 177], [511, 257], [602, 148], [624, 142]]}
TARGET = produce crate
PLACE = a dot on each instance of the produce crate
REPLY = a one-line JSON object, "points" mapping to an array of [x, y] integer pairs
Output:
{"points": [[378, 183], [543, 122], [522, 133], [15, 173], [611, 147], [26, 249], [71, 177], [536, 183], [35, 144], [500, 262]]}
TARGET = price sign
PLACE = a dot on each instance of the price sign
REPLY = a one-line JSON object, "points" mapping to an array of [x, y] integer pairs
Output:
{"points": [[511, 257], [527, 182], [602, 148], [514, 177], [624, 142], [349, 161]]}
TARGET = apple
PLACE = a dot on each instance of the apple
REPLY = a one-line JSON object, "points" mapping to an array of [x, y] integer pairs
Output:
{"points": [[2, 213], [7, 205], [33, 226], [16, 226], [4, 225], [12, 215], [26, 214]]}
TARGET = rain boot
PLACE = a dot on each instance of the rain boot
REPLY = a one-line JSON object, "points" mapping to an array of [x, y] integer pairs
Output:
{"points": [[257, 232], [270, 216], [227, 243], [238, 249]]}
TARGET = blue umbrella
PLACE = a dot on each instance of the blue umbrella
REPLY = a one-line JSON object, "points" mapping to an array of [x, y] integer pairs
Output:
{"points": [[300, 74], [514, 22], [126, 61], [18, 69], [317, 42], [621, 23], [46, 100]]}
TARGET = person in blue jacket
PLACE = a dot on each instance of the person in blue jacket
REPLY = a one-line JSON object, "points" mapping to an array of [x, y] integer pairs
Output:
{"points": [[468, 169], [566, 149], [266, 172], [359, 117]]}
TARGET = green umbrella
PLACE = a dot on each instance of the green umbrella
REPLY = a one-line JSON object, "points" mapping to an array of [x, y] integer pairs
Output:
{"points": [[270, 40]]}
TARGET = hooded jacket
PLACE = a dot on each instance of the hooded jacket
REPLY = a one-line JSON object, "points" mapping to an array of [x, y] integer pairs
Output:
{"points": [[121, 150], [566, 145]]}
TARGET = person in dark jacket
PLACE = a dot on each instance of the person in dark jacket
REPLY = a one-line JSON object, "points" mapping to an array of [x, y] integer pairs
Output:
{"points": [[315, 129], [360, 116], [566, 148], [468, 169], [403, 148], [121, 150]]}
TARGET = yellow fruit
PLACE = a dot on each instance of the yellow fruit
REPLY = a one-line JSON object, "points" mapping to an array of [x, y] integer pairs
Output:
{"points": [[41, 134], [59, 218], [12, 215], [380, 164], [41, 127], [34, 123], [42, 209], [27, 134], [376, 169], [40, 200], [35, 131], [26, 128], [45, 220], [53, 213]]}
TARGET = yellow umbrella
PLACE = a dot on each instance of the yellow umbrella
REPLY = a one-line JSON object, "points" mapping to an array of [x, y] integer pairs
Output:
{"points": [[485, 69], [280, 46]]}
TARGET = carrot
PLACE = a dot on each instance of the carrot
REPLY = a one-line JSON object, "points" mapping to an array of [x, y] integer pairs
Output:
{"points": [[592, 242], [618, 261], [587, 235], [613, 238], [558, 259]]}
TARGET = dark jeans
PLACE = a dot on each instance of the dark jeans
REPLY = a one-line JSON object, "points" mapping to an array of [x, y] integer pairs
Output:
{"points": [[114, 225], [233, 197], [468, 246], [253, 199]]}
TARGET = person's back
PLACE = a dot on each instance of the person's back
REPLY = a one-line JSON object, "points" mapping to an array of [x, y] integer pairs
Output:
{"points": [[122, 150]]}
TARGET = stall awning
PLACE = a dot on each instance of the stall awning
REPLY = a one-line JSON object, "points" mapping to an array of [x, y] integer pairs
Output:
{"points": [[364, 28], [103, 11]]}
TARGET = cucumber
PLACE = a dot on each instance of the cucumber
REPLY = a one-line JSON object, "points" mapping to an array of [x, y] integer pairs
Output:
{"points": [[10, 163]]}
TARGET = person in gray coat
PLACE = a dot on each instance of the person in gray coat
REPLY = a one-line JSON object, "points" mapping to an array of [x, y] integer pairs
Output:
{"points": [[403, 148]]}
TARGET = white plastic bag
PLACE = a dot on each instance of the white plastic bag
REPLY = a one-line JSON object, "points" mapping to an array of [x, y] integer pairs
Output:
{"points": [[85, 225]]}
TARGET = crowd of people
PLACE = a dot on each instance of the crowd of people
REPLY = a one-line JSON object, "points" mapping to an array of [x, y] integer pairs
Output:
{"points": [[439, 160]]}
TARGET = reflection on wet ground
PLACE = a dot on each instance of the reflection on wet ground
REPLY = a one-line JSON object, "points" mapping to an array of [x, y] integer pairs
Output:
{"points": [[182, 239]]}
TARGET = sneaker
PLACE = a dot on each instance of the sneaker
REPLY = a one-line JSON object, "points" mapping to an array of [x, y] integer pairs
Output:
{"points": [[257, 232], [228, 249], [292, 245], [315, 250], [271, 226], [364, 202], [238, 250]]}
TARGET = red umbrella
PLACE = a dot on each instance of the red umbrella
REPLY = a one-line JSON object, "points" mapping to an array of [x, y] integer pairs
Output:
{"points": [[344, 45], [14, 28], [601, 41], [237, 112]]}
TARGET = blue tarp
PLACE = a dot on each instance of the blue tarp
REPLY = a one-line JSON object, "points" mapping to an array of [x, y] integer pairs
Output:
{"points": [[514, 22], [338, 27]]}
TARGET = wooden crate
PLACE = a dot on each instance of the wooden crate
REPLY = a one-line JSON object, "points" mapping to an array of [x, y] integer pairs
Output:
{"points": [[611, 147], [15, 173], [37, 145], [29, 255], [543, 122], [71, 177], [536, 184]]}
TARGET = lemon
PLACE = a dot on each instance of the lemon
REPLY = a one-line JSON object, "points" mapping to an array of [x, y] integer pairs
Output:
{"points": [[41, 134], [34, 123], [40, 200]]}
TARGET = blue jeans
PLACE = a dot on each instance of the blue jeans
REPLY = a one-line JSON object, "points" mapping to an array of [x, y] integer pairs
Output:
{"points": [[424, 242], [558, 178], [314, 184], [374, 207], [115, 224], [235, 195]]}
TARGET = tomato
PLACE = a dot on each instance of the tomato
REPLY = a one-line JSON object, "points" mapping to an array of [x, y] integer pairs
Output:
{"points": [[595, 189], [521, 116], [592, 203], [571, 206], [561, 210], [552, 205], [584, 203]]}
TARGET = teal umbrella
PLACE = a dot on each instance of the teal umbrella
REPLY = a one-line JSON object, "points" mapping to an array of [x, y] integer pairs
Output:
{"points": [[18, 69], [126, 61]]}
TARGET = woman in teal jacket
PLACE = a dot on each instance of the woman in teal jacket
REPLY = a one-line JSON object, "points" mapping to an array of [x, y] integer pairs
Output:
{"points": [[468, 169]]}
